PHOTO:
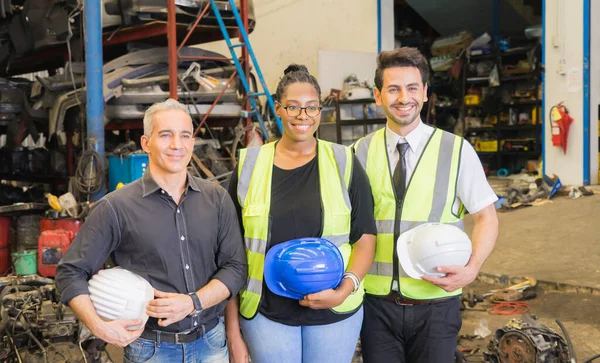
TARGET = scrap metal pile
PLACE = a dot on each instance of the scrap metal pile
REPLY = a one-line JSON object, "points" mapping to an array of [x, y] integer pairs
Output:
{"points": [[32, 25], [42, 117], [36, 327]]}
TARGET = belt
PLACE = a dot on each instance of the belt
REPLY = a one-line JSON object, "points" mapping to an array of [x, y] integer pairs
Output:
{"points": [[398, 299], [160, 336]]}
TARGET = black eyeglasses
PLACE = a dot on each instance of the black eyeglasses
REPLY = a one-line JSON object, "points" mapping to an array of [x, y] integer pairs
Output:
{"points": [[295, 111]]}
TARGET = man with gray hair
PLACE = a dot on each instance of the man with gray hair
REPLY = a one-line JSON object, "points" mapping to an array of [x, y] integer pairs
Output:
{"points": [[180, 233]]}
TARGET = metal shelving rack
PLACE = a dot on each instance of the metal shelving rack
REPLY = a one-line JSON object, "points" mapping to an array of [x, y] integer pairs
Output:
{"points": [[177, 36], [501, 157], [365, 121], [244, 59]]}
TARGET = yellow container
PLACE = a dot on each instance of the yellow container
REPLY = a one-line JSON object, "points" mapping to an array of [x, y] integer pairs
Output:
{"points": [[472, 100], [486, 145]]}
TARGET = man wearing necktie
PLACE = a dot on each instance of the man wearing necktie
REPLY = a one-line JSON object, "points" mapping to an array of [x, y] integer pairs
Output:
{"points": [[418, 174]]}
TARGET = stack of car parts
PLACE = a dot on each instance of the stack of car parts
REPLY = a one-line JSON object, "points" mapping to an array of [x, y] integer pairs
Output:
{"points": [[135, 81], [41, 25], [36, 327]]}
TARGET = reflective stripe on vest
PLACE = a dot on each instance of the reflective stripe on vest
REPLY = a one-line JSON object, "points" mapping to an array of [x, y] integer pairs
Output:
{"points": [[429, 197], [254, 194]]}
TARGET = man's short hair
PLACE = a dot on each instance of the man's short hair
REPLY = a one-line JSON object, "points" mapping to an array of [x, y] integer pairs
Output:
{"points": [[169, 104], [401, 57]]}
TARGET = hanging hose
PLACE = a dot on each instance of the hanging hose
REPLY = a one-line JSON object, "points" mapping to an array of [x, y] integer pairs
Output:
{"points": [[39, 344], [89, 175], [510, 308], [589, 360], [568, 339], [14, 347]]}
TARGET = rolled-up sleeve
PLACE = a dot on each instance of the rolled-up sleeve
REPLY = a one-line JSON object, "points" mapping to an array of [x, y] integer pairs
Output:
{"points": [[97, 238], [231, 258]]}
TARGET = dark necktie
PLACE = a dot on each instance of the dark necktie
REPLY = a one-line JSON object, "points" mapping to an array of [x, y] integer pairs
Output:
{"points": [[399, 175]]}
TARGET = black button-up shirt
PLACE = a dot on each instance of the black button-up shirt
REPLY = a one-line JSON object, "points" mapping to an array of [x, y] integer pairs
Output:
{"points": [[176, 248]]}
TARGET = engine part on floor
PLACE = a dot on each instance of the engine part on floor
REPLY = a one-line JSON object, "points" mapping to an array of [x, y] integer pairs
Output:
{"points": [[57, 352], [120, 294], [526, 340], [507, 295], [568, 339], [515, 195], [471, 299], [464, 355], [36, 327], [510, 308], [31, 280], [521, 286]]}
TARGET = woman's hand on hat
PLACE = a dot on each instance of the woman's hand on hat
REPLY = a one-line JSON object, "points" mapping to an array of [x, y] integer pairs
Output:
{"points": [[329, 298]]}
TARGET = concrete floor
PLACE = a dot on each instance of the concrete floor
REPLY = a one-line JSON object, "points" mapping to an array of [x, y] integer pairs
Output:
{"points": [[559, 245], [557, 242]]}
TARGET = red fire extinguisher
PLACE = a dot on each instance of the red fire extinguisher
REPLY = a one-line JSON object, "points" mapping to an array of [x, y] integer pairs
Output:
{"points": [[560, 121]]}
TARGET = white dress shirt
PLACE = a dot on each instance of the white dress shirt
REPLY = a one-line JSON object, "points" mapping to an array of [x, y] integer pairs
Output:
{"points": [[473, 189]]}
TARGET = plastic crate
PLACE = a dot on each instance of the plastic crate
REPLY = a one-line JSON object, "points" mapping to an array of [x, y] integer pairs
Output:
{"points": [[125, 169]]}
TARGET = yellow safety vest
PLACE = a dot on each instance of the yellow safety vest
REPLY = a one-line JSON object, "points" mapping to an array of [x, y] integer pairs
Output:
{"points": [[254, 194], [429, 197]]}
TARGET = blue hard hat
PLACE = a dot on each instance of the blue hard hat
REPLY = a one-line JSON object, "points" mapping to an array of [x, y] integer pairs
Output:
{"points": [[303, 266]]}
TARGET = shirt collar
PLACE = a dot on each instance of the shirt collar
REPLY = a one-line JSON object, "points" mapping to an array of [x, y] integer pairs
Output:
{"points": [[149, 185], [413, 138]]}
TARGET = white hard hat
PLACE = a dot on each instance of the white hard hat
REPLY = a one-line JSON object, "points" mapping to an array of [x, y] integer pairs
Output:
{"points": [[120, 294], [423, 249]]}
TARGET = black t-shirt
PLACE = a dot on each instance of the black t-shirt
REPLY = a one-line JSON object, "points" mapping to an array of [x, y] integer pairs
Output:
{"points": [[296, 213]]}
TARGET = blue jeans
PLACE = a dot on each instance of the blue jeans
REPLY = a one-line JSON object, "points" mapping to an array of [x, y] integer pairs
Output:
{"points": [[211, 348], [272, 342]]}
